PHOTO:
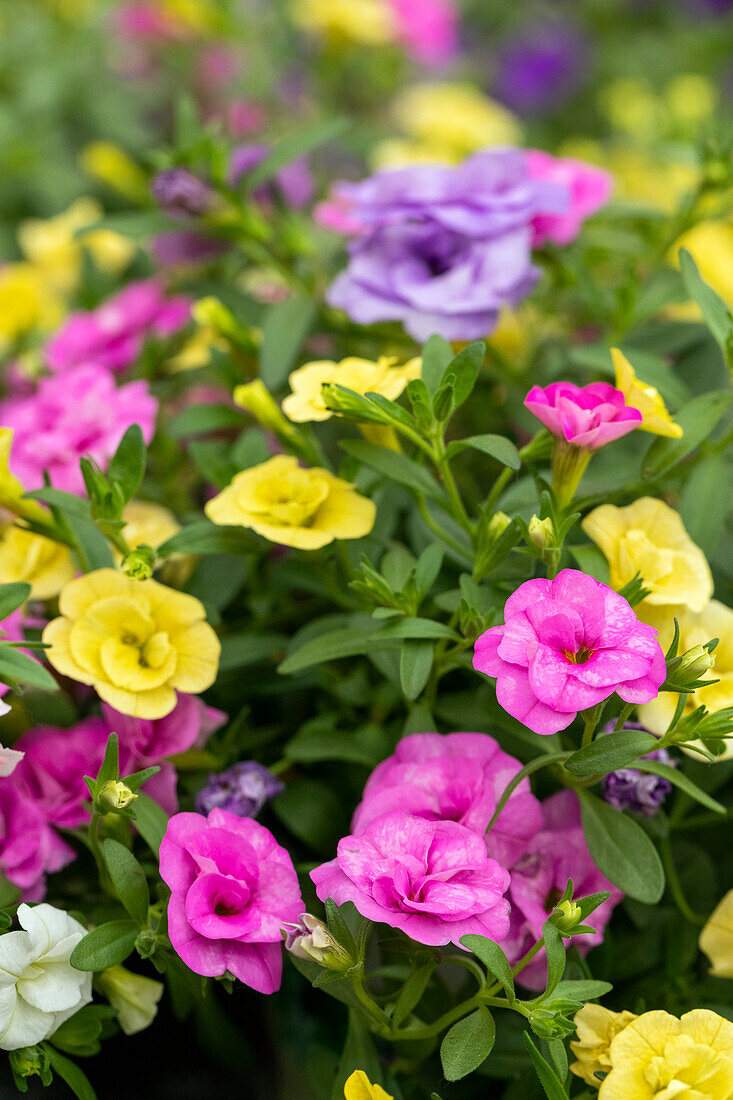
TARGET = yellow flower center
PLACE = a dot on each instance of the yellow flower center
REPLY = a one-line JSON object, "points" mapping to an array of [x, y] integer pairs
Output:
{"points": [[289, 499], [638, 554], [687, 1071]]}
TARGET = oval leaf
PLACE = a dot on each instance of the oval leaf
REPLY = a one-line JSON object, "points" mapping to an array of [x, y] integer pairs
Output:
{"points": [[107, 945], [467, 1044], [611, 752], [622, 850]]}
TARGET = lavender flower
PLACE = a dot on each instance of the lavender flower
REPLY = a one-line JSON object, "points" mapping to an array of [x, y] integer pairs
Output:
{"points": [[628, 789], [539, 70], [181, 194], [242, 789]]}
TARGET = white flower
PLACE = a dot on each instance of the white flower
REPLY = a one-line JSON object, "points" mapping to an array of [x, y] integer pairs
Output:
{"points": [[39, 989]]}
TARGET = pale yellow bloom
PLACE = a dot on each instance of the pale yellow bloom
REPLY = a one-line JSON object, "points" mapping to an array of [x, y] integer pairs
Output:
{"points": [[647, 399], [638, 175], [35, 560], [715, 621], [11, 489], [200, 16], [196, 352], [294, 506], [510, 335], [366, 22], [455, 116], [136, 642], [360, 375], [27, 302], [631, 105], [110, 165], [55, 245], [649, 537], [658, 1057], [596, 1028], [148, 524], [401, 152], [359, 1087], [691, 98], [133, 997], [716, 938], [710, 244]]}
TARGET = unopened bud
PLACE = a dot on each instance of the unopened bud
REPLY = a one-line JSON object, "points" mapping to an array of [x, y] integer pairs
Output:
{"points": [[571, 915], [257, 400], [115, 795], [498, 525], [695, 662], [311, 939], [30, 1062], [133, 997], [210, 313], [139, 563], [542, 532]]}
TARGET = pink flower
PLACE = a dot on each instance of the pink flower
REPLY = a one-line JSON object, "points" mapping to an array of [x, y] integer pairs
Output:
{"points": [[56, 761], [112, 335], [336, 213], [428, 29], [233, 888], [586, 416], [455, 777], [70, 415], [432, 879], [566, 645], [29, 849], [538, 878], [590, 189]]}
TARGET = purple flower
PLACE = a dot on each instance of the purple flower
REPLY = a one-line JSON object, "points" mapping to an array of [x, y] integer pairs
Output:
{"points": [[184, 246], [242, 789], [79, 412], [431, 879], [628, 789], [539, 70], [181, 194], [293, 182], [586, 416], [443, 249], [566, 645]]}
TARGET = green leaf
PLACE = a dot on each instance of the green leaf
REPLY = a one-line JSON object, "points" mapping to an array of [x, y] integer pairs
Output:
{"points": [[528, 769], [494, 959], [209, 538], [679, 779], [127, 465], [555, 952], [17, 668], [68, 503], [697, 419], [416, 661], [592, 561], [200, 419], [716, 313], [12, 596], [110, 767], [467, 1044], [622, 850], [285, 328], [584, 989], [338, 927], [428, 567], [358, 1053], [211, 459], [80, 1034], [465, 368], [312, 811], [705, 501], [554, 1090], [69, 1072], [436, 355], [313, 743], [151, 821], [128, 879], [107, 945], [610, 752], [292, 146], [395, 466], [327, 647], [239, 650], [500, 448], [416, 628], [412, 991]]}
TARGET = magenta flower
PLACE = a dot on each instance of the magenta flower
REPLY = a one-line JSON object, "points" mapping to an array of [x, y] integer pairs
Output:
{"points": [[29, 849], [566, 645], [113, 335], [428, 29], [233, 888], [78, 413], [455, 777], [558, 852], [431, 879], [56, 761], [589, 417], [589, 187]]}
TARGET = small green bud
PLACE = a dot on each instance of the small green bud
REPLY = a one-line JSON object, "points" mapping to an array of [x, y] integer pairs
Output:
{"points": [[115, 795], [498, 525], [542, 532], [139, 563], [695, 662], [31, 1062], [212, 314], [569, 916], [311, 939]]}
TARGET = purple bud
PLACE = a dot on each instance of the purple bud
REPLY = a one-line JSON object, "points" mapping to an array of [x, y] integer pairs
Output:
{"points": [[181, 194], [629, 789], [182, 246], [242, 789], [293, 181]]}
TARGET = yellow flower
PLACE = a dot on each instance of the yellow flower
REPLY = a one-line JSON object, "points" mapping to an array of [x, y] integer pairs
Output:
{"points": [[110, 165], [11, 489], [359, 1087], [196, 352], [360, 375], [596, 1027], [646, 399], [715, 621], [294, 506], [658, 1057], [631, 105], [648, 537], [691, 98], [148, 524], [27, 302], [455, 116], [711, 246], [716, 938], [367, 22], [40, 562], [402, 152], [133, 997], [136, 642]]}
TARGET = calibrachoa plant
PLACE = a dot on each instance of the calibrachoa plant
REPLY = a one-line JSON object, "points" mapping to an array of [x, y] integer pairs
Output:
{"points": [[366, 597]]}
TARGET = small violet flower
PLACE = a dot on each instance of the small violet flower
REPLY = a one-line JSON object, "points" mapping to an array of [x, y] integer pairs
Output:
{"points": [[588, 417], [181, 194], [628, 789], [566, 645], [242, 790], [293, 182]]}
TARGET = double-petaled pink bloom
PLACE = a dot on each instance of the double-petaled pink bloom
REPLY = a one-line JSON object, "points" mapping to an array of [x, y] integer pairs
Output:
{"points": [[566, 645], [586, 416]]}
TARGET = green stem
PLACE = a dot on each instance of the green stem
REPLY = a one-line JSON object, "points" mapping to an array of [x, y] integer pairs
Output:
{"points": [[498, 488], [676, 886], [437, 529], [459, 510], [590, 718], [623, 716]]}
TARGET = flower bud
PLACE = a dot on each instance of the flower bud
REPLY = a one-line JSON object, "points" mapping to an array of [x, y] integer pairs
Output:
{"points": [[115, 795], [541, 532], [257, 400], [570, 915], [212, 314], [181, 194], [498, 525], [133, 997], [311, 939], [695, 662], [30, 1062], [139, 563]]}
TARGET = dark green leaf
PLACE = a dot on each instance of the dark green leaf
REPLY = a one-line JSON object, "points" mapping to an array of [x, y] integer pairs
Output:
{"points": [[705, 501], [436, 355], [416, 628], [151, 821], [110, 768], [358, 1053], [592, 561], [697, 420], [465, 368], [500, 448], [107, 945], [411, 992], [610, 752], [467, 1044], [12, 596], [494, 959], [239, 650], [69, 1072], [582, 990], [555, 952], [622, 850], [395, 466], [211, 458], [554, 1090], [286, 326], [678, 778], [128, 879], [200, 419], [67, 503], [416, 661], [127, 465], [209, 538], [716, 313], [327, 647]]}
